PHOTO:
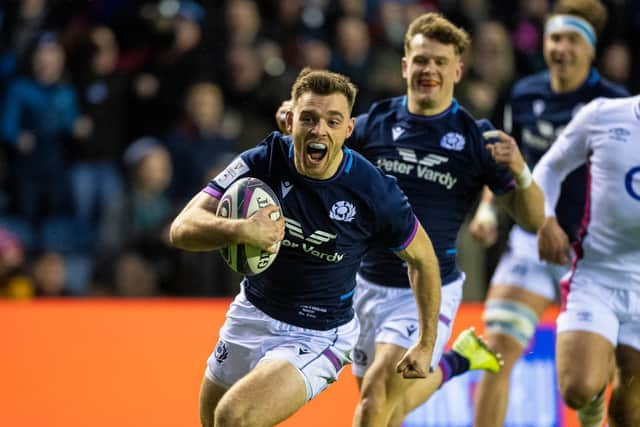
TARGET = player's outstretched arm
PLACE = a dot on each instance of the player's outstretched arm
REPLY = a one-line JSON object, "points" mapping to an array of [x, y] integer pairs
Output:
{"points": [[525, 203], [198, 228], [424, 276]]}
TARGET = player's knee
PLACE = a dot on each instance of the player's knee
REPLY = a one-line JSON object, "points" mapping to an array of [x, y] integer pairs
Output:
{"points": [[372, 410], [374, 398], [578, 391], [206, 418], [234, 414], [512, 319]]}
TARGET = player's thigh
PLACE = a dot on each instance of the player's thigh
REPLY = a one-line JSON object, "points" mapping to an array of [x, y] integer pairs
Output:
{"points": [[382, 310], [583, 361], [367, 301], [399, 325], [625, 399], [628, 363], [450, 299], [382, 375], [588, 330], [210, 395], [626, 396], [268, 394]]}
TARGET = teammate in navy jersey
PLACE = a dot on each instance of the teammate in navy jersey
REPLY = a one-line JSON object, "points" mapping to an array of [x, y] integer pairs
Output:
{"points": [[540, 107], [292, 328], [437, 152]]}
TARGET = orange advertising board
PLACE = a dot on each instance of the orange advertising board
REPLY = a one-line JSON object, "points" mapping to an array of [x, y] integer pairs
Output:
{"points": [[132, 363]]}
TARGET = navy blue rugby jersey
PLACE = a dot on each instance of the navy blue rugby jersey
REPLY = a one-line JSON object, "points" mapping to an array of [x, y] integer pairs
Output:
{"points": [[441, 164], [536, 115], [329, 226]]}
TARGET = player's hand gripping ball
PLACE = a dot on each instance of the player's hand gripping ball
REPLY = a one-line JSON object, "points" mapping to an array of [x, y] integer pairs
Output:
{"points": [[241, 200]]}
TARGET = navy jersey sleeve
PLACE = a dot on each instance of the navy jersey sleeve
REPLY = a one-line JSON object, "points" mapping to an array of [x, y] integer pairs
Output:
{"points": [[253, 162], [498, 178], [396, 221]]}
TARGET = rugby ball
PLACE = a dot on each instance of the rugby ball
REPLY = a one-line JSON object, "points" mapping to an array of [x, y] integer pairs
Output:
{"points": [[241, 200]]}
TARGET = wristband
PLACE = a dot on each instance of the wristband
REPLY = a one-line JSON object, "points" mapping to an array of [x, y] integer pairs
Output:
{"points": [[524, 179]]}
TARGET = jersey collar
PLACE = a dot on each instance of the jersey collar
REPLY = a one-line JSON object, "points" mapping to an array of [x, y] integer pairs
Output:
{"points": [[405, 114]]}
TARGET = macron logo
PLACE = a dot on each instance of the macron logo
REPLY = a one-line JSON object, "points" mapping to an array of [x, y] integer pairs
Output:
{"points": [[302, 351], [396, 132], [285, 187]]}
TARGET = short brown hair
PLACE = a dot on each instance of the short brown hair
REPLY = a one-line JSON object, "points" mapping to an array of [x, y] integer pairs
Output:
{"points": [[436, 26], [593, 11], [323, 82]]}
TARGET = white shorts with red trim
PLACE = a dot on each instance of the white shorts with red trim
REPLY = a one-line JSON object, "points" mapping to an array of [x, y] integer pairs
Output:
{"points": [[592, 306]]}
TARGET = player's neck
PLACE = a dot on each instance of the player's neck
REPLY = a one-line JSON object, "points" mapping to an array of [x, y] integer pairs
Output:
{"points": [[570, 84], [422, 110], [333, 167]]}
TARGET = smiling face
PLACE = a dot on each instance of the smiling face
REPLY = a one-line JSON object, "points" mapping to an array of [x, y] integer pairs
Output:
{"points": [[319, 125], [431, 70], [568, 56]]}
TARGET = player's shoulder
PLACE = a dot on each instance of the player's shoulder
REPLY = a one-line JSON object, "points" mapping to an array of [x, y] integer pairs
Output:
{"points": [[365, 175], [274, 143], [464, 122], [268, 155], [607, 88], [537, 83], [461, 114], [388, 104], [610, 108], [382, 108]]}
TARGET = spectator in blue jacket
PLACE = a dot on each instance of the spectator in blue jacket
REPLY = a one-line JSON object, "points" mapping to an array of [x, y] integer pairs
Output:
{"points": [[37, 120]]}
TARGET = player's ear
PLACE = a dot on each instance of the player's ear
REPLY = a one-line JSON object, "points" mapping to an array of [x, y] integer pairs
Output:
{"points": [[404, 67], [350, 126], [459, 70], [289, 121]]}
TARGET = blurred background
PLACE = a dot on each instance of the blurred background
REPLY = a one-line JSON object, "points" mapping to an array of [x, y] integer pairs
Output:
{"points": [[114, 113]]}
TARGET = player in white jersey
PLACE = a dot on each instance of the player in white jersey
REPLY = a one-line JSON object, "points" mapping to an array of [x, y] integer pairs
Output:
{"points": [[600, 319], [540, 106]]}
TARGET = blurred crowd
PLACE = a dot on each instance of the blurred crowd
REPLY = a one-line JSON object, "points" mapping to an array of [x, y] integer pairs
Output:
{"points": [[114, 113]]}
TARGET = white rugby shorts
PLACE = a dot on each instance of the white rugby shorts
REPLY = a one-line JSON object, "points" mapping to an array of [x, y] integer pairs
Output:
{"points": [[250, 336], [592, 306], [535, 276], [390, 315]]}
